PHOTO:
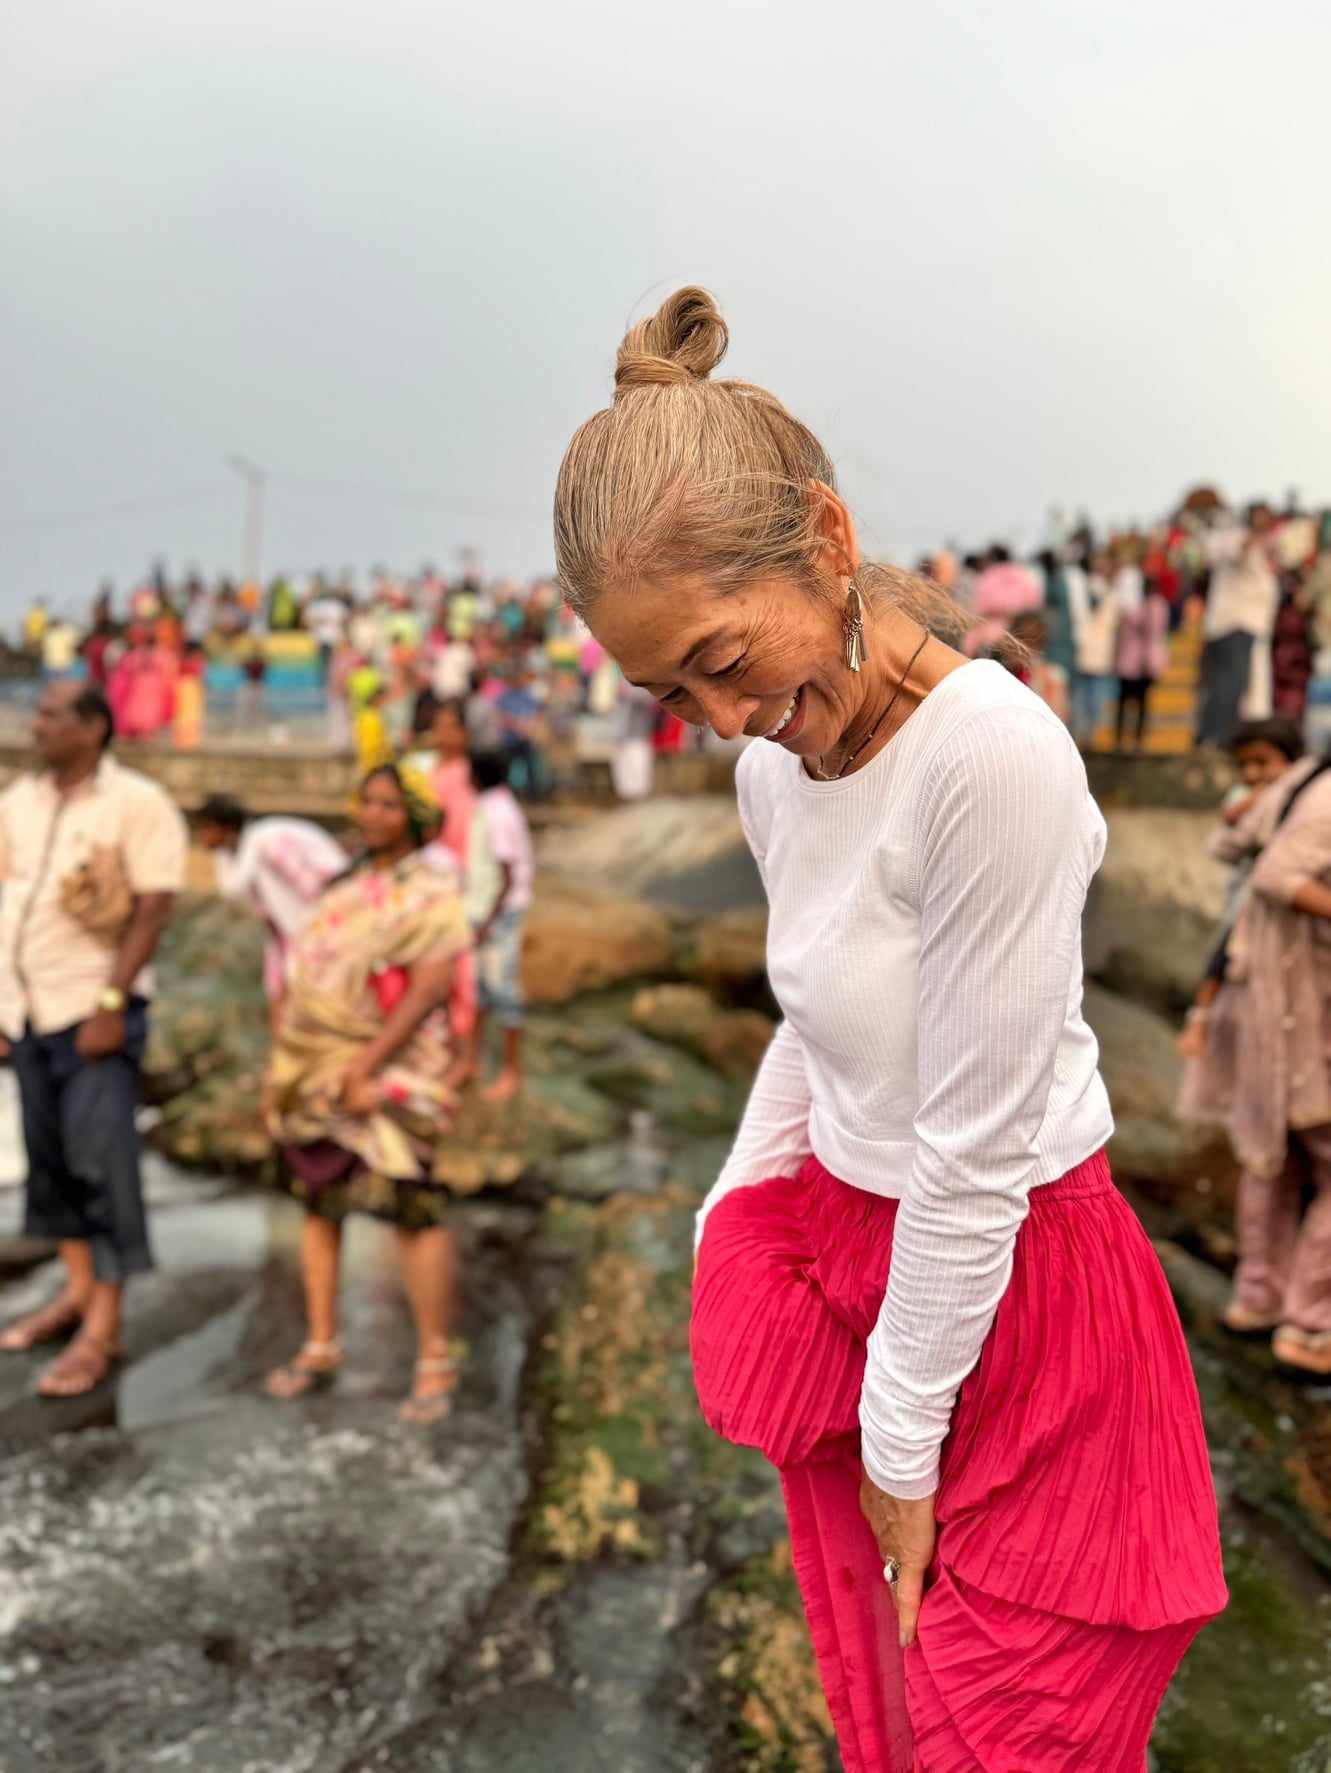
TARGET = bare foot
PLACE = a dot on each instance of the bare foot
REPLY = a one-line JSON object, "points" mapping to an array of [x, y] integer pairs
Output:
{"points": [[309, 1370], [81, 1368], [48, 1324], [504, 1087], [434, 1381]]}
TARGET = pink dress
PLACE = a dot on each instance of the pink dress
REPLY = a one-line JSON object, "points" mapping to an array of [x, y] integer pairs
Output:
{"points": [[1078, 1547], [142, 692], [1143, 647]]}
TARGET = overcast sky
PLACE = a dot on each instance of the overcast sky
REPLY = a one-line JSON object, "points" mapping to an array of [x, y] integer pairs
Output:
{"points": [[1000, 256]]}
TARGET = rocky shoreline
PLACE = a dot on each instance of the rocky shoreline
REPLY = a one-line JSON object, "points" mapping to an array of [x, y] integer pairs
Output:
{"points": [[571, 1572]]}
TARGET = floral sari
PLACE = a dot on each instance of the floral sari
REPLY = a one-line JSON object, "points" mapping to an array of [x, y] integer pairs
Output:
{"points": [[347, 967]]}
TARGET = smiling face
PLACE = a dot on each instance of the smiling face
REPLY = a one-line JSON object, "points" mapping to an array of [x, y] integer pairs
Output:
{"points": [[765, 660]]}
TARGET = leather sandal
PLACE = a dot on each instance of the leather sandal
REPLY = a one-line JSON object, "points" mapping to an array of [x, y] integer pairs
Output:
{"points": [[81, 1368], [431, 1406], [314, 1367], [1307, 1351]]}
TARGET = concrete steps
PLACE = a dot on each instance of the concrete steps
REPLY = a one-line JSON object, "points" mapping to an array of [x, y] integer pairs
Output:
{"points": [[1173, 704]]}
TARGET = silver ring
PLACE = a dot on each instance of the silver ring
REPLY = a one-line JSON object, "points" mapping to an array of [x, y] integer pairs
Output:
{"points": [[891, 1572]]}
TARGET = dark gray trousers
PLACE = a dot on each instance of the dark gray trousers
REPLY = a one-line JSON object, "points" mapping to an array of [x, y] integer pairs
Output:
{"points": [[83, 1146], [1226, 662]]}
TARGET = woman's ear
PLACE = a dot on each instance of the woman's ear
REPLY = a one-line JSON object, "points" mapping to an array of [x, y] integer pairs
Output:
{"points": [[840, 551]]}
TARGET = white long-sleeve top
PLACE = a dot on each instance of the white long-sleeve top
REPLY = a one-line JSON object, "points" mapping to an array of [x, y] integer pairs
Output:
{"points": [[924, 943]]}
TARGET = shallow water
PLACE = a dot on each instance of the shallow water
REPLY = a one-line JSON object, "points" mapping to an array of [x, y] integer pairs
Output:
{"points": [[200, 1577]]}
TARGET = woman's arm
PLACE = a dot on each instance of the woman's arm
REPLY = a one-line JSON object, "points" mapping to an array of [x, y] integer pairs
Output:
{"points": [[1005, 861], [773, 1138], [1314, 898], [1291, 868], [427, 988], [1241, 831]]}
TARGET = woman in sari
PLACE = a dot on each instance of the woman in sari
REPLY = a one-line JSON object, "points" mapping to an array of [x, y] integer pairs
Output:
{"points": [[356, 1093]]}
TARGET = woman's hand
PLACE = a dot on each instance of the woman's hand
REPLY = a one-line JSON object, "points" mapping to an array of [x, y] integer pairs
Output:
{"points": [[904, 1531], [360, 1093]]}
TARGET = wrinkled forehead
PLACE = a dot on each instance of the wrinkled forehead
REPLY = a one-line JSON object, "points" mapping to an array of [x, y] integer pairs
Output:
{"points": [[653, 628]]}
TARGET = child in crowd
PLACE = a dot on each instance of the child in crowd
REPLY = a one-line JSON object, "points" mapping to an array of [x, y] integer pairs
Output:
{"points": [[499, 938], [1262, 751]]}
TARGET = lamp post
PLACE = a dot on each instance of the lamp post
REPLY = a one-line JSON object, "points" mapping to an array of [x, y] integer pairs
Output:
{"points": [[256, 482]]}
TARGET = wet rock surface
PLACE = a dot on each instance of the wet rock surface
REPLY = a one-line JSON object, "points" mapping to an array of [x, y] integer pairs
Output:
{"points": [[570, 1572]]}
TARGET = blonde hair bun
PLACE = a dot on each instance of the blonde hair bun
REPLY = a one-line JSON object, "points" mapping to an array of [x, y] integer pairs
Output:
{"points": [[709, 481], [682, 342]]}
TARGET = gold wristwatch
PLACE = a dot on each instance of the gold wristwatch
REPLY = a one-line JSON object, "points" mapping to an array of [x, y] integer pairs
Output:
{"points": [[112, 1000]]}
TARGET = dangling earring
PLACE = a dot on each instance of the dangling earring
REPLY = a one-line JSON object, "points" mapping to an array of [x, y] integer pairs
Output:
{"points": [[853, 624]]}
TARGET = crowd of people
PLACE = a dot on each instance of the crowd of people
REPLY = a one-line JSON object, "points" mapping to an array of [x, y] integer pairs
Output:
{"points": [[1092, 612], [385, 958], [382, 656]]}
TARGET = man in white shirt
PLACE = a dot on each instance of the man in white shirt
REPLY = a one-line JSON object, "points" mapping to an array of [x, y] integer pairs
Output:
{"points": [[91, 858], [279, 867], [1240, 618], [326, 619]]}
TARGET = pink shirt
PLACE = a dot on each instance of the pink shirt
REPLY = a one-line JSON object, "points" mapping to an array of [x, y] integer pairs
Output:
{"points": [[510, 841], [1142, 649], [451, 781]]}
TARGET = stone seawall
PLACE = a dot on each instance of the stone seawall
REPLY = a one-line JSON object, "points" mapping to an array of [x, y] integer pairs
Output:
{"points": [[316, 782]]}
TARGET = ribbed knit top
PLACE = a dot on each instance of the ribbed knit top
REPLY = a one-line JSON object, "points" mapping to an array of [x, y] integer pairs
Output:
{"points": [[924, 943]]}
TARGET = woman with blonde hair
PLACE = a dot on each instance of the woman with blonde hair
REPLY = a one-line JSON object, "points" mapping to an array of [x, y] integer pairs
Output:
{"points": [[1000, 1503]]}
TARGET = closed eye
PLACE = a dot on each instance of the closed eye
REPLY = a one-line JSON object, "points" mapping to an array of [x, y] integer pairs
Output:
{"points": [[733, 669]]}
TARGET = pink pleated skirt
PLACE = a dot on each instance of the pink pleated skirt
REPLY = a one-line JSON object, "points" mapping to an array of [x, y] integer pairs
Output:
{"points": [[1078, 1547]]}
